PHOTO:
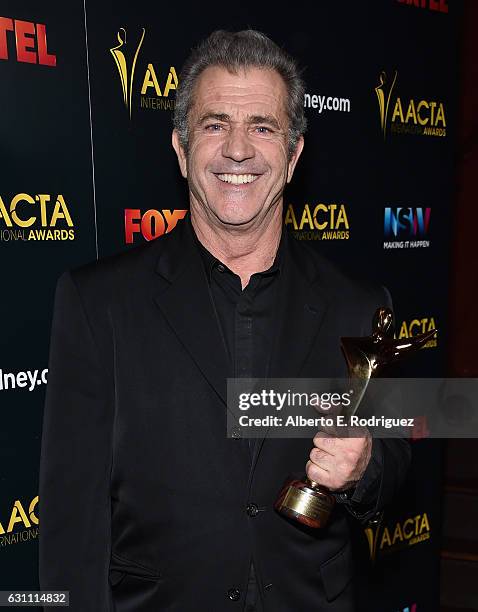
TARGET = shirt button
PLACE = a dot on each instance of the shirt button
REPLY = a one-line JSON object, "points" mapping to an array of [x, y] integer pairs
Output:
{"points": [[252, 509], [221, 268], [236, 432], [234, 594]]}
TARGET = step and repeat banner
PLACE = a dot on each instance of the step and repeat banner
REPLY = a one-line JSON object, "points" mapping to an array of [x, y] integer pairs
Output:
{"points": [[87, 170]]}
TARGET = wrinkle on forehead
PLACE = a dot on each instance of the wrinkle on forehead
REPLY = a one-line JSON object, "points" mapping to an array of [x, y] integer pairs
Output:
{"points": [[253, 91]]}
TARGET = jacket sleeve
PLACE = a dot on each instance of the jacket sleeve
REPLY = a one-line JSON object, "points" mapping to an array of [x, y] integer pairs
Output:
{"points": [[381, 480], [76, 457]]}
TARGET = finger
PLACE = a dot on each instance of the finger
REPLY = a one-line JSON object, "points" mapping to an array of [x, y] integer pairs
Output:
{"points": [[327, 478], [323, 460], [317, 455], [316, 473], [337, 446], [325, 435], [325, 443]]}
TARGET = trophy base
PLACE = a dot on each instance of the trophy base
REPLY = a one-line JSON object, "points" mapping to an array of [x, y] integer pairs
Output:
{"points": [[306, 502]]}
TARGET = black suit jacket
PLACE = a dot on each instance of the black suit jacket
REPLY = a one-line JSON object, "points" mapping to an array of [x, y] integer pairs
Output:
{"points": [[143, 497]]}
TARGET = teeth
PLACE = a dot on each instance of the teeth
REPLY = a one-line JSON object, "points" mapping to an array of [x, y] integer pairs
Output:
{"points": [[237, 179]]}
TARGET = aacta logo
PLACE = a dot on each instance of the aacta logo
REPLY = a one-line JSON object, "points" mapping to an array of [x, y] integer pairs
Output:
{"points": [[406, 222], [30, 42], [152, 224], [18, 526], [154, 93], [318, 222], [408, 329], [386, 539], [39, 217], [408, 116]]}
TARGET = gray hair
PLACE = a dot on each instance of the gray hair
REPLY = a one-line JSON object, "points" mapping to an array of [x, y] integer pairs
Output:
{"points": [[233, 51]]}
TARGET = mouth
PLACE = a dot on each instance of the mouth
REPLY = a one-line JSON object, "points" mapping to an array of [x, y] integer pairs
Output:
{"points": [[238, 179]]}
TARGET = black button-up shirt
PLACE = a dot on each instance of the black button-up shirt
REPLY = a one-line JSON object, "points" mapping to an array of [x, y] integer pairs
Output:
{"points": [[244, 316], [245, 319]]}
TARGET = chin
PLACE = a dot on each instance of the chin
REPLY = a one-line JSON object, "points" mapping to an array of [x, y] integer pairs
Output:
{"points": [[237, 215], [236, 219]]}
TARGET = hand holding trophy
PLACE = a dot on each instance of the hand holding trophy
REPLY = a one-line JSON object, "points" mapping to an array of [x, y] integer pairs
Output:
{"points": [[305, 500]]}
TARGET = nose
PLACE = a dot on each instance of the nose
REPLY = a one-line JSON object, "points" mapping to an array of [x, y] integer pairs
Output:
{"points": [[237, 145]]}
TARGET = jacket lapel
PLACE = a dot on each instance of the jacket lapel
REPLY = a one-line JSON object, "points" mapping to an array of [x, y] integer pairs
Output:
{"points": [[301, 307], [300, 311], [186, 303]]}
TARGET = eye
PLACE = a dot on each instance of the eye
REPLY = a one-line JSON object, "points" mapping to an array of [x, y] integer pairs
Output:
{"points": [[213, 127], [262, 129]]}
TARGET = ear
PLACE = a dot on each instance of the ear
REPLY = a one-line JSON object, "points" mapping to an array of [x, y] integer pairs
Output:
{"points": [[177, 146], [295, 158]]}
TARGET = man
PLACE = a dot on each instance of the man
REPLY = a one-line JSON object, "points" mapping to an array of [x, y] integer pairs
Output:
{"points": [[146, 504]]}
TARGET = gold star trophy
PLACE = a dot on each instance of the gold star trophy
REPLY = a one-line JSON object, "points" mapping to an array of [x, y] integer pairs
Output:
{"points": [[305, 500]]}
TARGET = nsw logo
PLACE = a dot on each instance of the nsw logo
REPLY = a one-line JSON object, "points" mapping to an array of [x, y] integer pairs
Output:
{"points": [[406, 227]]}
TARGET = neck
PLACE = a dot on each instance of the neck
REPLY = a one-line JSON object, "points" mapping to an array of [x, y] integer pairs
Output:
{"points": [[243, 250]]}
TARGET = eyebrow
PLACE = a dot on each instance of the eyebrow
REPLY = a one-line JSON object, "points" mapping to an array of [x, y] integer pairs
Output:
{"points": [[269, 119], [214, 116], [251, 120]]}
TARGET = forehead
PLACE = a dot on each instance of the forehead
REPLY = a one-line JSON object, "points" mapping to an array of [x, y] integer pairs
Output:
{"points": [[250, 90]]}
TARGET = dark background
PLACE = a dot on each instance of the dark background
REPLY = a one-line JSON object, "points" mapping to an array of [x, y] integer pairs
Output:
{"points": [[65, 130]]}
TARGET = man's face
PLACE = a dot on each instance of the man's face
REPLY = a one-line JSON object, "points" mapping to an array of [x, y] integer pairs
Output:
{"points": [[238, 162]]}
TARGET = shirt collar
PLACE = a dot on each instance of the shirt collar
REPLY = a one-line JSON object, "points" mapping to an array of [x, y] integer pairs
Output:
{"points": [[210, 261]]}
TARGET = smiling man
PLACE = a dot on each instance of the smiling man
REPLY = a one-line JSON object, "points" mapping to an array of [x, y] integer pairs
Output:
{"points": [[146, 504], [235, 148]]}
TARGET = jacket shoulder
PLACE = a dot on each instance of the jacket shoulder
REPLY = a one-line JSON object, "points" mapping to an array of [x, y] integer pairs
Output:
{"points": [[338, 283], [114, 274]]}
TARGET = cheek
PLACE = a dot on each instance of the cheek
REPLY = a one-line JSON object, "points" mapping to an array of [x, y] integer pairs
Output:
{"points": [[281, 167], [277, 156], [201, 154]]}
